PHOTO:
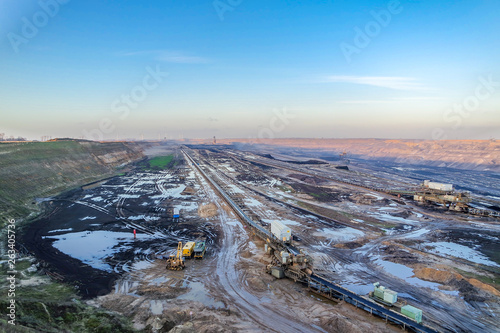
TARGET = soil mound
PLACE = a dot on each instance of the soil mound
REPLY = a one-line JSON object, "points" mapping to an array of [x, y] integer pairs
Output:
{"points": [[434, 275], [208, 210], [484, 286], [454, 279]]}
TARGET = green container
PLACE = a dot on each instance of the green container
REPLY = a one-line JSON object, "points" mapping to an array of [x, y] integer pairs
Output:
{"points": [[412, 312]]}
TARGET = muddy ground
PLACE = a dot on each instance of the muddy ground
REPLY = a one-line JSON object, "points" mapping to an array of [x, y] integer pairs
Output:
{"points": [[356, 236]]}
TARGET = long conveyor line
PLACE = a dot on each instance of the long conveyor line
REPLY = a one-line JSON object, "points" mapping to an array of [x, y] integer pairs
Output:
{"points": [[316, 281]]}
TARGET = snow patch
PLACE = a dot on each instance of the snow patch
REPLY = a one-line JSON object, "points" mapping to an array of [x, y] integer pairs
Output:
{"points": [[60, 230], [87, 218], [129, 196], [340, 234], [461, 251]]}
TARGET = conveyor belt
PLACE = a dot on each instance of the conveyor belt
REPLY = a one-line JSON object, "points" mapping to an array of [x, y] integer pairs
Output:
{"points": [[344, 294], [372, 307]]}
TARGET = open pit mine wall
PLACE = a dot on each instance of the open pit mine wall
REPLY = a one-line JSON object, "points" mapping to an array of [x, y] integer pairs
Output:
{"points": [[461, 154], [39, 169]]}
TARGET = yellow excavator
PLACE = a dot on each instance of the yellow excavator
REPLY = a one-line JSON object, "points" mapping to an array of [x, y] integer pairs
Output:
{"points": [[175, 262]]}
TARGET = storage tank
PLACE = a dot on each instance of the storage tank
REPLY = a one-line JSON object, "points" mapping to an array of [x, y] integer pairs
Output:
{"points": [[281, 231], [412, 312]]}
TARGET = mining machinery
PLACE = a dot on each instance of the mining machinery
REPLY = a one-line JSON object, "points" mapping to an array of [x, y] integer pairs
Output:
{"points": [[175, 261]]}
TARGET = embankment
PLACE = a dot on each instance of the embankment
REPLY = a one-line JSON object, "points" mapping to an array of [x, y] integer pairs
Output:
{"points": [[39, 169], [459, 154]]}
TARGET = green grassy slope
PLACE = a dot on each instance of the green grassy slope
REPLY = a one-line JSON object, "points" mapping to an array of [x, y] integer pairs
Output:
{"points": [[160, 162], [39, 169]]}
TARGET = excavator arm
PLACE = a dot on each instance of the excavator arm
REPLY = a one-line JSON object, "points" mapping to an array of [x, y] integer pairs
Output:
{"points": [[179, 251]]}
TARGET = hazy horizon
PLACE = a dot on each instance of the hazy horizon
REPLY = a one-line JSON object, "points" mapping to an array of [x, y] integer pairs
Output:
{"points": [[250, 70]]}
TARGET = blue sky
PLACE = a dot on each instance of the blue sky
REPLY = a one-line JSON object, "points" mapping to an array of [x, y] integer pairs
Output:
{"points": [[250, 69]]}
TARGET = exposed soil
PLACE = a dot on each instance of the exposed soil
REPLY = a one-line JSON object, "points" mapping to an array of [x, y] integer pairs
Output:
{"points": [[207, 210], [356, 236], [464, 285], [396, 254], [322, 194]]}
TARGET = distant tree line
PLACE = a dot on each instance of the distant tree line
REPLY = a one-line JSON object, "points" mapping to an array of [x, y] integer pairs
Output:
{"points": [[3, 137]]}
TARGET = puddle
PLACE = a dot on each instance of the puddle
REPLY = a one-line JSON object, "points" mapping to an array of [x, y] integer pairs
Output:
{"points": [[156, 307], [160, 280], [417, 234], [405, 273], [197, 292], [91, 247]]}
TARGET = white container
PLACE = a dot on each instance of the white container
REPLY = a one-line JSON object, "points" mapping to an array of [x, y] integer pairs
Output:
{"points": [[390, 296], [281, 231], [438, 186]]}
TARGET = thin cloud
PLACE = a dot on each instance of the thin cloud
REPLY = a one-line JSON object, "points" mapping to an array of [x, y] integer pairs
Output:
{"points": [[367, 102], [393, 100], [391, 82], [177, 57], [419, 98]]}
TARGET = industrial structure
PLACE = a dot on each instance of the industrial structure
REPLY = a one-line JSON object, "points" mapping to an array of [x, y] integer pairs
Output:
{"points": [[289, 261], [443, 194], [281, 231], [384, 295], [457, 201], [390, 298]]}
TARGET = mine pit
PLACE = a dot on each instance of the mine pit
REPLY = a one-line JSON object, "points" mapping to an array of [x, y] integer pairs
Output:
{"points": [[111, 241]]}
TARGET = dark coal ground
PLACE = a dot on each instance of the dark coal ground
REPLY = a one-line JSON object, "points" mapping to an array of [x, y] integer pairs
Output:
{"points": [[62, 213]]}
